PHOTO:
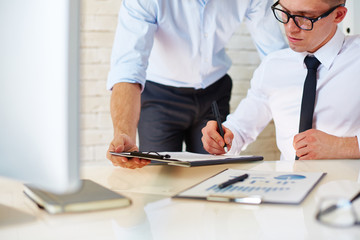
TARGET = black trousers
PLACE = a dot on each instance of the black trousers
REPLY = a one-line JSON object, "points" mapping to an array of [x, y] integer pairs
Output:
{"points": [[170, 115]]}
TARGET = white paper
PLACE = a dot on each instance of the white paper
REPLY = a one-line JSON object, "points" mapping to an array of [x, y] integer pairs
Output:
{"points": [[273, 187]]}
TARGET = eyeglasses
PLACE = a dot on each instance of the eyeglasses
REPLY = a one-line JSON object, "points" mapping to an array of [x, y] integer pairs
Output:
{"points": [[305, 23], [338, 212]]}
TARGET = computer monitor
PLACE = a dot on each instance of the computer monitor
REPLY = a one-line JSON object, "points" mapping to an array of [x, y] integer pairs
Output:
{"points": [[39, 93]]}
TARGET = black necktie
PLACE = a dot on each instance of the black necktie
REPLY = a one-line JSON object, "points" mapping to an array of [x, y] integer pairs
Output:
{"points": [[309, 94]]}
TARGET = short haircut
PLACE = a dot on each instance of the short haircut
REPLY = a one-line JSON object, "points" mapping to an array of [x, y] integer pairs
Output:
{"points": [[334, 3]]}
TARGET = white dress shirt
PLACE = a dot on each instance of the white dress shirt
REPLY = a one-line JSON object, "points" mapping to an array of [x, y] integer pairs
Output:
{"points": [[276, 93], [181, 43]]}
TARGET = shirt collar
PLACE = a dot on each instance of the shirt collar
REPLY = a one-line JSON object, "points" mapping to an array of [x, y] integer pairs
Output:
{"points": [[203, 2], [327, 53]]}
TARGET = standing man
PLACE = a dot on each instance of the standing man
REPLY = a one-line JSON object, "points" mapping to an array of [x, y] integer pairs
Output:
{"points": [[311, 89], [169, 63]]}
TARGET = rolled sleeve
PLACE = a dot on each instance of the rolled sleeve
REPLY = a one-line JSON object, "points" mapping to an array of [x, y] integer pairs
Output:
{"points": [[133, 42]]}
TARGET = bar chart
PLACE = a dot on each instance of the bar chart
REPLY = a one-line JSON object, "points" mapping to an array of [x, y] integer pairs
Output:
{"points": [[258, 185]]}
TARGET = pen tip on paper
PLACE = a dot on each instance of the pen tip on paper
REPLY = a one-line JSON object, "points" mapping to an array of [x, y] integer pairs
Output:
{"points": [[226, 149]]}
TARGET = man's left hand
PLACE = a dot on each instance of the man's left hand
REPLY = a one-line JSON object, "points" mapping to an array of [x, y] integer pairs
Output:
{"points": [[315, 144]]}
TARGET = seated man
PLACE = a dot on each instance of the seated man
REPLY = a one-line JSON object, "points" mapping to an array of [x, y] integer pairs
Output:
{"points": [[330, 116]]}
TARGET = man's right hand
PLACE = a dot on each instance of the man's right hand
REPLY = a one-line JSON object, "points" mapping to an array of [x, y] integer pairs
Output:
{"points": [[123, 143], [212, 140]]}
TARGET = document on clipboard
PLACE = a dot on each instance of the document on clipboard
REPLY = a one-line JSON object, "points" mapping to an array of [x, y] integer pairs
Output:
{"points": [[187, 159], [258, 187]]}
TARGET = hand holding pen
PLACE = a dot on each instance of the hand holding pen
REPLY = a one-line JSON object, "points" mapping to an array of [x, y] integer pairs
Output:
{"points": [[216, 113], [215, 136]]}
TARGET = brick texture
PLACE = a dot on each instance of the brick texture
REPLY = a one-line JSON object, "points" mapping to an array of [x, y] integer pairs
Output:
{"points": [[98, 23]]}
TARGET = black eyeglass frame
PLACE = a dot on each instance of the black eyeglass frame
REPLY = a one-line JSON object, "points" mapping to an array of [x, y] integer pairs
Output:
{"points": [[312, 20]]}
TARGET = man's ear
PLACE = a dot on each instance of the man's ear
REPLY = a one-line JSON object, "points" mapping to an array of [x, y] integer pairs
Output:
{"points": [[340, 14]]}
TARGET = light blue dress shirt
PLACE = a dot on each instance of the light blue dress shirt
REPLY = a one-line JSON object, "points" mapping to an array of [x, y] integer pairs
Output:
{"points": [[181, 43]]}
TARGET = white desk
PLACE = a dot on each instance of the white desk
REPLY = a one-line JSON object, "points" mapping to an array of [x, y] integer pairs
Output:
{"points": [[153, 215]]}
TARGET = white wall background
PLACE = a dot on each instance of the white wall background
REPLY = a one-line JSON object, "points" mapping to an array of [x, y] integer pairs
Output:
{"points": [[351, 24], [99, 18]]}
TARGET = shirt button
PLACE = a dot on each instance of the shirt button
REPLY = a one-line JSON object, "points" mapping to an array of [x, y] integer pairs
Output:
{"points": [[206, 35]]}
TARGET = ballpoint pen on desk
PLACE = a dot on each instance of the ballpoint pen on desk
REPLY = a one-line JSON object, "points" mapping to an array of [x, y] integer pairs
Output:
{"points": [[216, 112], [232, 181]]}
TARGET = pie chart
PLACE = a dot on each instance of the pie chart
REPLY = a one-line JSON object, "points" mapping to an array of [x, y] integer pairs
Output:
{"points": [[290, 177]]}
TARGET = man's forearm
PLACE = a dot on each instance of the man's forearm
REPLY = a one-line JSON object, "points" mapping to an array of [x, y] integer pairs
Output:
{"points": [[348, 147], [125, 108]]}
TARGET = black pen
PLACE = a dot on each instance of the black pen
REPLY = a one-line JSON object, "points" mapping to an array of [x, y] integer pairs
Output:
{"points": [[216, 112], [232, 181]]}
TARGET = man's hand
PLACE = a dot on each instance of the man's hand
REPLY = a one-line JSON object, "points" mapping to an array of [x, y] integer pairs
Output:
{"points": [[315, 144], [125, 112], [212, 140], [123, 143]]}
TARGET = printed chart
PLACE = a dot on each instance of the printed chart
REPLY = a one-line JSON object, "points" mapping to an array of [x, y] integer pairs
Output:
{"points": [[256, 185], [273, 187]]}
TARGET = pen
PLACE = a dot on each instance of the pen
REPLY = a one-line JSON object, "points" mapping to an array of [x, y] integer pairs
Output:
{"points": [[216, 113], [153, 155], [232, 181]]}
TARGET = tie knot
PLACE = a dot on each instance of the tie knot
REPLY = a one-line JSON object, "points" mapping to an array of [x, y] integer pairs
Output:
{"points": [[312, 62]]}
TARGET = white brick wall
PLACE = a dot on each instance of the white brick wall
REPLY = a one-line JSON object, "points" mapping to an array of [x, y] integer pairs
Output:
{"points": [[99, 18]]}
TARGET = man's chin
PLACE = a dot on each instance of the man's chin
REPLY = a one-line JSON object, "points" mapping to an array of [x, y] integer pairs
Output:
{"points": [[297, 48]]}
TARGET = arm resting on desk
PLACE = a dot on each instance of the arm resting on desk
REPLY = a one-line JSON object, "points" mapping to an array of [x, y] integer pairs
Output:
{"points": [[315, 144]]}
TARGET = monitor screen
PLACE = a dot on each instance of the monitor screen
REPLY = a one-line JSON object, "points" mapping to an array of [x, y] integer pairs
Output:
{"points": [[39, 93]]}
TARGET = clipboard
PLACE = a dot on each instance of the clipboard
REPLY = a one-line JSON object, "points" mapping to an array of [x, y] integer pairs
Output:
{"points": [[260, 187], [187, 159]]}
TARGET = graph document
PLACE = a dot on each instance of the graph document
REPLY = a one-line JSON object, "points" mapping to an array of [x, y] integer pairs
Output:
{"points": [[272, 187]]}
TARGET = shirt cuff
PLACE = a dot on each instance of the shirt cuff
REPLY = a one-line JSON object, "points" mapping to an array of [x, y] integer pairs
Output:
{"points": [[237, 143], [113, 79]]}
